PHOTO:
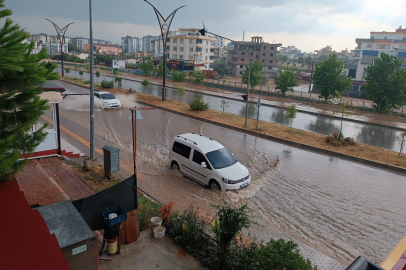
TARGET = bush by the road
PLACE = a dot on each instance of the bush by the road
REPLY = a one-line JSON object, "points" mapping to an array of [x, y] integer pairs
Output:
{"points": [[145, 83], [178, 76], [337, 139], [107, 84], [197, 103]]}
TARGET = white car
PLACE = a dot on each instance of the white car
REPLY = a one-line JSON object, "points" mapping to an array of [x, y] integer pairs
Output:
{"points": [[108, 100], [207, 162]]}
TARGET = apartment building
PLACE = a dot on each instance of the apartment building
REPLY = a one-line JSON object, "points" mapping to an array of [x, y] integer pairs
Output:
{"points": [[146, 43], [79, 42], [265, 53], [188, 44], [220, 48], [368, 49], [104, 49], [55, 48]]}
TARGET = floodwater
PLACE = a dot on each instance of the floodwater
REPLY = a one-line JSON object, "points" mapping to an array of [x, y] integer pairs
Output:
{"points": [[379, 136], [341, 208]]}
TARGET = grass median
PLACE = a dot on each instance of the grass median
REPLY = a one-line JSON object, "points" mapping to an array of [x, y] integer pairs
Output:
{"points": [[279, 131]]}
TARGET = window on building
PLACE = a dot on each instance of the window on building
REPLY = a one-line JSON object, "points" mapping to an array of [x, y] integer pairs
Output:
{"points": [[168, 40], [252, 53], [263, 54], [369, 45], [240, 72], [211, 57], [199, 41], [206, 58], [180, 56], [263, 61], [199, 50], [379, 46], [181, 40], [190, 49], [241, 66], [242, 53], [264, 47], [174, 56], [272, 48], [401, 46], [190, 57], [271, 55], [175, 48], [270, 61], [242, 59], [387, 46], [256, 56], [207, 43], [270, 67], [207, 50], [190, 41], [181, 49]]}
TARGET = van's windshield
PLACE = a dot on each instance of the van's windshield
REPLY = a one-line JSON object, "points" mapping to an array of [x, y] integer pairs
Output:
{"points": [[221, 158]]}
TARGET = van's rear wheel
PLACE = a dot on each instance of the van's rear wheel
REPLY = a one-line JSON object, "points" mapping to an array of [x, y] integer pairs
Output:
{"points": [[175, 166], [214, 185]]}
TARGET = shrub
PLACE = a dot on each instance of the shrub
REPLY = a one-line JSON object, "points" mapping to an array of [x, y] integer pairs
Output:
{"points": [[107, 84], [145, 83], [188, 231], [337, 139], [178, 76], [197, 104], [85, 82], [198, 77], [166, 212]]}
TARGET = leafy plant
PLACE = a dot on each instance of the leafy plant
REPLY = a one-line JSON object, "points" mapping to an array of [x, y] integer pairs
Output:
{"points": [[147, 66], [180, 92], [220, 65], [87, 68], [97, 75], [291, 114], [328, 78], [67, 70], [197, 103], [386, 84], [343, 109], [286, 80], [145, 83], [166, 212], [101, 68], [86, 82], [76, 68], [257, 75], [160, 70], [198, 77], [224, 105], [337, 139], [81, 74], [178, 76], [19, 69], [119, 81], [107, 84]]}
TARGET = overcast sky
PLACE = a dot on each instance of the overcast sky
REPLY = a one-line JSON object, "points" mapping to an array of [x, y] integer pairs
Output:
{"points": [[309, 25]]}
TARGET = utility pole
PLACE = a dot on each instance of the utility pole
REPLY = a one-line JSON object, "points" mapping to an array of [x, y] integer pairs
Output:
{"points": [[311, 76], [92, 133]]}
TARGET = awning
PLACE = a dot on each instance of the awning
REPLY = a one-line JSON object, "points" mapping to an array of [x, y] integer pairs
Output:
{"points": [[52, 97]]}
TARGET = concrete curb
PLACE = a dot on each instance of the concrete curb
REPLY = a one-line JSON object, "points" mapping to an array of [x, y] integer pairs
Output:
{"points": [[275, 106], [288, 142]]}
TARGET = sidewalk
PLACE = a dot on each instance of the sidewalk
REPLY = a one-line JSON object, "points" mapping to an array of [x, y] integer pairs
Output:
{"points": [[47, 181]]}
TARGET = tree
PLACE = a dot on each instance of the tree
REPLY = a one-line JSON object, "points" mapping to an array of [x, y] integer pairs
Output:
{"points": [[386, 84], [328, 78], [81, 74], [97, 75], [20, 71], [180, 92], [223, 105], [160, 70], [67, 70], [77, 69], [286, 80], [291, 114], [198, 76], [87, 68], [257, 75], [119, 81], [401, 138], [72, 47], [301, 60], [220, 65], [147, 66], [285, 58], [342, 109], [178, 76], [308, 61]]}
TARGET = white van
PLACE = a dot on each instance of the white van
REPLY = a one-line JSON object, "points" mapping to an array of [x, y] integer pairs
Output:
{"points": [[207, 162]]}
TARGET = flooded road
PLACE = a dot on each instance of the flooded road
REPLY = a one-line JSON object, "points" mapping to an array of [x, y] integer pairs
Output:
{"points": [[379, 136], [341, 208]]}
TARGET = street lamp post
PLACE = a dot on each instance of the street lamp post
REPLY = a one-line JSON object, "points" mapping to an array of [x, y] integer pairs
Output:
{"points": [[203, 32], [61, 35], [92, 131], [164, 24]]}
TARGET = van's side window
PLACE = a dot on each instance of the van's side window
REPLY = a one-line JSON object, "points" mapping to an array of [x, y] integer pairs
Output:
{"points": [[199, 158], [181, 149]]}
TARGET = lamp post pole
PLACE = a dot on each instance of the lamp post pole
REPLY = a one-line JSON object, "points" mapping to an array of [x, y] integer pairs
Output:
{"points": [[92, 132], [165, 24], [203, 33], [61, 36]]}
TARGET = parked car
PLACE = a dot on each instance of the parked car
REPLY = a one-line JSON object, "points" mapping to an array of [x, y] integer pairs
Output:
{"points": [[108, 100], [207, 162]]}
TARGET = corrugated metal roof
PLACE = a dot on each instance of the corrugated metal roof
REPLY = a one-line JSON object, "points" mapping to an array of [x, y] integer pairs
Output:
{"points": [[25, 239]]}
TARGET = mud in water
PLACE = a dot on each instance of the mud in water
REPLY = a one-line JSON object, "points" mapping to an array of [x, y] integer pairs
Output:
{"points": [[340, 208]]}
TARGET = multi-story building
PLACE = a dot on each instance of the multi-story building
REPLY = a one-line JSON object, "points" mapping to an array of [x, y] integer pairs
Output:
{"points": [[219, 46], [55, 48], [157, 45], [291, 52], [368, 49], [80, 42], [324, 53], [129, 44], [146, 43], [265, 53], [188, 44], [40, 38], [104, 49]]}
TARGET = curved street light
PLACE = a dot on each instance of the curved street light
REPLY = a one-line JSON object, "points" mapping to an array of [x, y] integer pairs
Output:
{"points": [[61, 36], [164, 24]]}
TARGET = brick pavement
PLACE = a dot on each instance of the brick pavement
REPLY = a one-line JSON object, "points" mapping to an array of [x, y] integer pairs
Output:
{"points": [[47, 181]]}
